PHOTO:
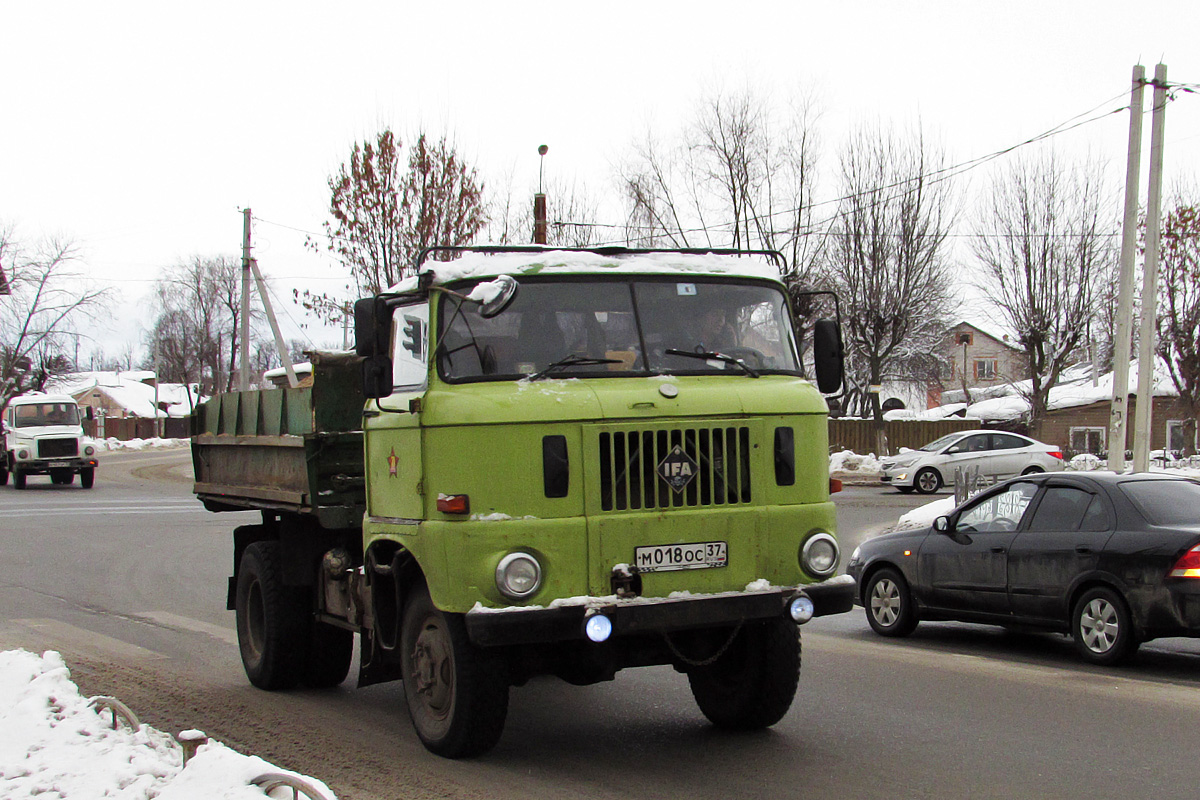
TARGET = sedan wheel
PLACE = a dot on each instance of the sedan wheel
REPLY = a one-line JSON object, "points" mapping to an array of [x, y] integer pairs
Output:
{"points": [[927, 481], [1033, 471], [1102, 627], [889, 604]]}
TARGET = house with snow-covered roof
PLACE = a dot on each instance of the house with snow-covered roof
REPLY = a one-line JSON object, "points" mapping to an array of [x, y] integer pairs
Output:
{"points": [[128, 405], [1078, 411]]}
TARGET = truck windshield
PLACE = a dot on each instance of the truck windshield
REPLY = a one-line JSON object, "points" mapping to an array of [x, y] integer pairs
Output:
{"points": [[34, 415], [599, 328]]}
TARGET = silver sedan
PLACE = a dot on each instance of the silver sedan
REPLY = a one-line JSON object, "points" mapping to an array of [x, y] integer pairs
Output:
{"points": [[995, 454]]}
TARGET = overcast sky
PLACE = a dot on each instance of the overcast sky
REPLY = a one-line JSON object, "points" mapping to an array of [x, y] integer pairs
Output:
{"points": [[140, 129]]}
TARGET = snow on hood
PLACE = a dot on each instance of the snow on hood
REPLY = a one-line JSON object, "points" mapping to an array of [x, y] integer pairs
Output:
{"points": [[480, 265]]}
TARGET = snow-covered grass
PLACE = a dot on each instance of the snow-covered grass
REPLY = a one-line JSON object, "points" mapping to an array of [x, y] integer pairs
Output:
{"points": [[112, 443], [55, 744], [849, 461]]}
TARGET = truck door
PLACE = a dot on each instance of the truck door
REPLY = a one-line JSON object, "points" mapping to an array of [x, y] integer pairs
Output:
{"points": [[393, 435]]}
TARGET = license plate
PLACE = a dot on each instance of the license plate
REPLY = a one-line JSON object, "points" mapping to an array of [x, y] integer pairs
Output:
{"points": [[59, 464], [696, 555]]}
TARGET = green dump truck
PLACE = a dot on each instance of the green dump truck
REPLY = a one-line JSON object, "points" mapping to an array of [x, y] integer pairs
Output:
{"points": [[540, 462]]}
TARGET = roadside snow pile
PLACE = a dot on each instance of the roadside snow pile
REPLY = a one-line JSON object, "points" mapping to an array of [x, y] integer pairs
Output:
{"points": [[1085, 462], [849, 461], [112, 443], [54, 743]]}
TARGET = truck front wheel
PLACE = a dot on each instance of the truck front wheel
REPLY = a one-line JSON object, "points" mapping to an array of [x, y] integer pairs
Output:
{"points": [[457, 697], [751, 685], [18, 479], [87, 477], [282, 645]]}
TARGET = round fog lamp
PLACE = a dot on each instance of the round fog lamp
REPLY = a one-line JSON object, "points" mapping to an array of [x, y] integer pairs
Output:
{"points": [[819, 557], [598, 628], [801, 609], [518, 575]]}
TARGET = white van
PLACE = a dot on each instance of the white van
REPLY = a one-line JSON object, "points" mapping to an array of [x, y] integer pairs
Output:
{"points": [[43, 435]]}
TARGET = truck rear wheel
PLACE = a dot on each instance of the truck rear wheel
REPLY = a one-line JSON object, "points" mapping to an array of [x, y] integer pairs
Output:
{"points": [[282, 645], [457, 697], [752, 684]]}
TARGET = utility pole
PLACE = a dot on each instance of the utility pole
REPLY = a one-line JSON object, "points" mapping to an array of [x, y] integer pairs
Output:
{"points": [[1145, 396], [1118, 416], [539, 202], [244, 357]]}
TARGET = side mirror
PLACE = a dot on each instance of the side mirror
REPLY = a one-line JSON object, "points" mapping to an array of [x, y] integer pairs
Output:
{"points": [[942, 524], [372, 327], [828, 356], [377, 376], [953, 450], [495, 295]]}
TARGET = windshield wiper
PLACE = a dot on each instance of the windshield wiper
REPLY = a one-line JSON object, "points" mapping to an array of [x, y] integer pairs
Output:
{"points": [[573, 360], [710, 356]]}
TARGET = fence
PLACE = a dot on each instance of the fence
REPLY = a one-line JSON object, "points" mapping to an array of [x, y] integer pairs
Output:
{"points": [[126, 428], [858, 435]]}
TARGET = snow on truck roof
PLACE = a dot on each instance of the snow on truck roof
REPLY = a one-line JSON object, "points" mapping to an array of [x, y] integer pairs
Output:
{"points": [[28, 399], [483, 265]]}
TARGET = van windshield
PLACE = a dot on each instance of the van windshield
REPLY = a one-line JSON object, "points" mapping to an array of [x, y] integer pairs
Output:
{"points": [[598, 328], [35, 415]]}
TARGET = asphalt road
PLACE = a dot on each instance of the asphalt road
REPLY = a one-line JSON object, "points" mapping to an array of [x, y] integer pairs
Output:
{"points": [[128, 580]]}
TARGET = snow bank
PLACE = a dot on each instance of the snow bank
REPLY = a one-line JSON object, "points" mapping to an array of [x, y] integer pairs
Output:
{"points": [[53, 743], [112, 443], [849, 461]]}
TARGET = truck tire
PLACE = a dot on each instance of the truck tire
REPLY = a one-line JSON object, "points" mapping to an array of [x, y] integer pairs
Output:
{"points": [[457, 696], [270, 621], [752, 684], [3, 472], [18, 479], [282, 645], [87, 477]]}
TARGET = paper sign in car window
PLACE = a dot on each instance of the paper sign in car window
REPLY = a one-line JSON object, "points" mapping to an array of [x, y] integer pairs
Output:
{"points": [[685, 289]]}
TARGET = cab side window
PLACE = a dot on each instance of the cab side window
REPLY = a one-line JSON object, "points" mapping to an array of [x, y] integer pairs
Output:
{"points": [[410, 345]]}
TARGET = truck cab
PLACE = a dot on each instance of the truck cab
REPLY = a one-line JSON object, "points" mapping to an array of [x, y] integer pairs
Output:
{"points": [[43, 435]]}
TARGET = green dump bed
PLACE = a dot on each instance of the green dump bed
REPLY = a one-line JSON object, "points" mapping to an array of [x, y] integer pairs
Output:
{"points": [[297, 450]]}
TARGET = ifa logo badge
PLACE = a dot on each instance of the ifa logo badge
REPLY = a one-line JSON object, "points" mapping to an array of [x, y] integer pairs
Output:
{"points": [[677, 469]]}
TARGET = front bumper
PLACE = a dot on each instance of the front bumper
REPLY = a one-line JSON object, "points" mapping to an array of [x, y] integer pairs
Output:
{"points": [[492, 627], [43, 466]]}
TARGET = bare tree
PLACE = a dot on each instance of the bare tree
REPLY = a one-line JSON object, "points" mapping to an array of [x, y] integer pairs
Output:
{"points": [[1179, 309], [1043, 237], [48, 297], [741, 174], [384, 214], [888, 259], [196, 334]]}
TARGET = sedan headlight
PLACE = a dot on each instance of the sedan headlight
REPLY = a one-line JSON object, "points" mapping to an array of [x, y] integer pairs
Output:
{"points": [[819, 556], [518, 576]]}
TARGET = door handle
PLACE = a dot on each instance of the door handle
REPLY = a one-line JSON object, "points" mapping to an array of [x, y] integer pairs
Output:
{"points": [[1083, 549], [997, 549]]}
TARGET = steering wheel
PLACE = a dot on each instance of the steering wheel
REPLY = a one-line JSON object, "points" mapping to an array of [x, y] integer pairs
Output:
{"points": [[746, 354]]}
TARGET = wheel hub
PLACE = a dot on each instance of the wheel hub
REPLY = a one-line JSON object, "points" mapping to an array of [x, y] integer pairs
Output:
{"points": [[432, 670]]}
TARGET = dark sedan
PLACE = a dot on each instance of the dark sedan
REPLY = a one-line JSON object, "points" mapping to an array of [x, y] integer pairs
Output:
{"points": [[1114, 560]]}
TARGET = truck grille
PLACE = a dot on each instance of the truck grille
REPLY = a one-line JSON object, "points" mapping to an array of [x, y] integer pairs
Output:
{"points": [[58, 448], [629, 462]]}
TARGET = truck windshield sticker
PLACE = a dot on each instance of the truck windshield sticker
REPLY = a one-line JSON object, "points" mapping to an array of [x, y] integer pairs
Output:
{"points": [[686, 289]]}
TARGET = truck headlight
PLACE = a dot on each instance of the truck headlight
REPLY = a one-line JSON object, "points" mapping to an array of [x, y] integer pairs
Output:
{"points": [[89, 450], [518, 576], [819, 556], [22, 454]]}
